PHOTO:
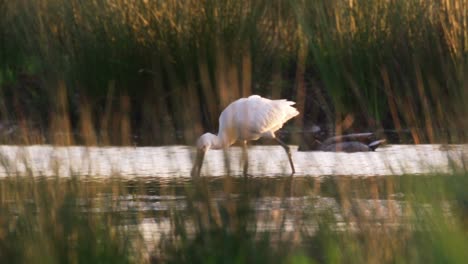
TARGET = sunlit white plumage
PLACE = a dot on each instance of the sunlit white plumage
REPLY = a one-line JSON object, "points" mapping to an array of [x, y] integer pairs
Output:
{"points": [[247, 119]]}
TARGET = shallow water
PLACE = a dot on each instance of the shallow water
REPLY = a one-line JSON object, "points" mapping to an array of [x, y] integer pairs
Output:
{"points": [[281, 203], [176, 161], [283, 206], [155, 186]]}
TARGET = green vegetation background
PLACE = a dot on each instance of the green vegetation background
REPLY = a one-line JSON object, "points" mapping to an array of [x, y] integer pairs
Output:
{"points": [[163, 70]]}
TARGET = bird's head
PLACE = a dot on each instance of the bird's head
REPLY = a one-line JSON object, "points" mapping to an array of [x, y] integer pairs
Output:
{"points": [[207, 141], [204, 143]]}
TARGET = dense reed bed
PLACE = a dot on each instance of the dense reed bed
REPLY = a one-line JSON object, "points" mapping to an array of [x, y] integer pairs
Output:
{"points": [[167, 68]]}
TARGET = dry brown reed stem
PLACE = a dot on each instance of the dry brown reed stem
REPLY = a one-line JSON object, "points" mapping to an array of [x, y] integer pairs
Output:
{"points": [[104, 136], [221, 79], [191, 113], [246, 72], [300, 84], [125, 123], [62, 133], [392, 208], [345, 199], [208, 92], [87, 129], [392, 103], [427, 112]]}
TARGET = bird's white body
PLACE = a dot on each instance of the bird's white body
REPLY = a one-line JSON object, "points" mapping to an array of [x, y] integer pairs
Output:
{"points": [[249, 119]]}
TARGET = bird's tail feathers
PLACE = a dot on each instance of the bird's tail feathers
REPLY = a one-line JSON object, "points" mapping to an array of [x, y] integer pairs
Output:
{"points": [[375, 144]]}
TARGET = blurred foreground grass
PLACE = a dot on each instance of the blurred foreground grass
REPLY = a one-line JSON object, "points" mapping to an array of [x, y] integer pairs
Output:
{"points": [[405, 219]]}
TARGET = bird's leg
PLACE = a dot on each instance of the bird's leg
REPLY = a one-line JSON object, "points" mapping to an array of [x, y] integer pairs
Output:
{"points": [[245, 156], [288, 151], [198, 163]]}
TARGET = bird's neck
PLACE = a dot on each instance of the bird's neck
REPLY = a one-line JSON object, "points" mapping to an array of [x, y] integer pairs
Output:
{"points": [[220, 141], [216, 142]]}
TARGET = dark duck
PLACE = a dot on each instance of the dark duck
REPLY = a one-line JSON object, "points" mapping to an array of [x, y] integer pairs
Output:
{"points": [[350, 143]]}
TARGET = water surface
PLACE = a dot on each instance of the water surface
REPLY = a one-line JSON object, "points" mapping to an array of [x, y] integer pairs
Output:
{"points": [[176, 161]]}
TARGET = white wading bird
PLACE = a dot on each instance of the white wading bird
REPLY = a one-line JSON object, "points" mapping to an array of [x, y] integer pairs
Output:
{"points": [[247, 119]]}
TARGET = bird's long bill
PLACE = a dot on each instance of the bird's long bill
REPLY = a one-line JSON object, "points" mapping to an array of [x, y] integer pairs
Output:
{"points": [[198, 163]]}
